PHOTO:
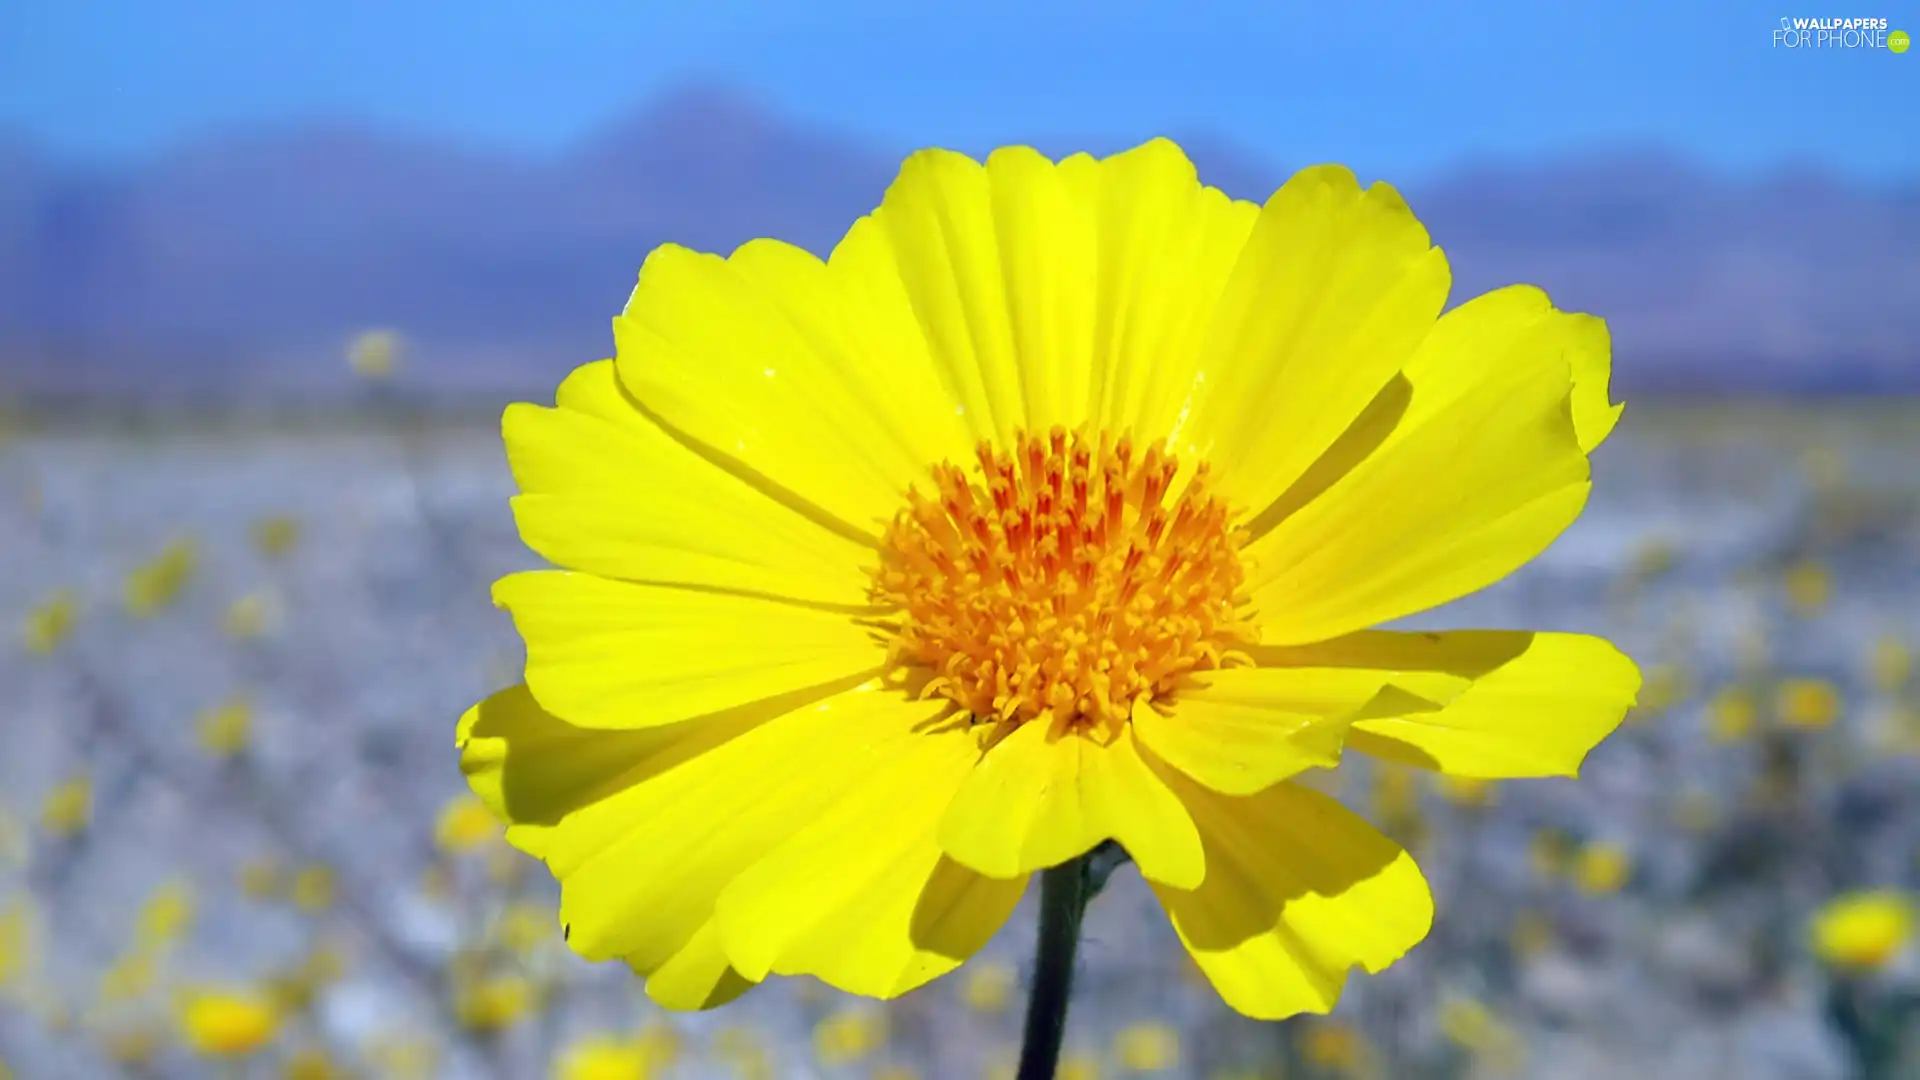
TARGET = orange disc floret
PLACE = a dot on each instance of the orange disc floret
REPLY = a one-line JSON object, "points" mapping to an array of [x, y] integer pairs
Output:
{"points": [[1066, 580]]}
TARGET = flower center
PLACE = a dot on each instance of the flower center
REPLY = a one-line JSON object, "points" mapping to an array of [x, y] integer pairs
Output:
{"points": [[1062, 582]]}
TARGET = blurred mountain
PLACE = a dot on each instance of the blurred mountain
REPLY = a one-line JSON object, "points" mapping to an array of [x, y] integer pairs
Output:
{"points": [[240, 265]]}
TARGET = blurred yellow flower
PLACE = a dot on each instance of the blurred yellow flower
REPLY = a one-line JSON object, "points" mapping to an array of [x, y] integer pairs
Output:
{"points": [[525, 927], [129, 978], [262, 879], [1809, 586], [1465, 790], [496, 1002], [313, 888], [1808, 703], [165, 917], [723, 665], [1695, 810], [16, 941], [848, 1036], [465, 824], [68, 808], [1078, 1066], [223, 1023], [603, 1057], [1550, 851], [1862, 930], [1667, 685], [989, 986], [250, 616], [51, 623], [1653, 557], [1603, 867], [312, 1063], [1892, 664], [1532, 934], [403, 1057], [1334, 1046], [132, 1044], [158, 582], [1731, 716], [225, 729], [375, 354], [1148, 1047], [275, 536]]}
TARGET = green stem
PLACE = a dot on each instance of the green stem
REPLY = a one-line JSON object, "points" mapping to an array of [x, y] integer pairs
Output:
{"points": [[1064, 892]]}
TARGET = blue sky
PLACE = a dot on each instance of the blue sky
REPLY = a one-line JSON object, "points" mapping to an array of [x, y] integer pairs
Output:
{"points": [[1393, 89]]}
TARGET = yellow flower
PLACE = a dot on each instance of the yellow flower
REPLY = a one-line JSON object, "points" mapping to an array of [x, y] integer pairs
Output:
{"points": [[606, 1058], [374, 354], [68, 808], [227, 1023], [990, 987], [403, 1058], [1862, 930], [225, 729], [1731, 716], [313, 888], [1055, 507], [1892, 664], [16, 941], [249, 617], [52, 622], [465, 824], [1808, 703], [1809, 586], [165, 917], [1147, 1047], [275, 536], [129, 978], [1333, 1046], [496, 1002], [1603, 867], [848, 1036], [1078, 1067], [158, 582], [1466, 790]]}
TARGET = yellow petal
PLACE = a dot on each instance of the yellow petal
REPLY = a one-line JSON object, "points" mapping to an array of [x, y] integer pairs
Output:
{"points": [[606, 491], [1333, 291], [862, 898], [697, 977], [616, 654], [1036, 800], [1057, 293], [1298, 892], [1246, 729], [809, 378], [1481, 472], [1482, 703], [645, 828], [1459, 354]]}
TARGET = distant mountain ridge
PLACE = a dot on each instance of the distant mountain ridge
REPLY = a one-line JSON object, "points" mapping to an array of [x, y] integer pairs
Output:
{"points": [[238, 266]]}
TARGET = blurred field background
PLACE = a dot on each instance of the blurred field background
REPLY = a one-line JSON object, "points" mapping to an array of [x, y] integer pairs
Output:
{"points": [[268, 274]]}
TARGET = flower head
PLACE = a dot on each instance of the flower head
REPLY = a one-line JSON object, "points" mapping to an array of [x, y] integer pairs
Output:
{"points": [[1056, 506], [224, 1023], [1861, 931], [158, 582]]}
